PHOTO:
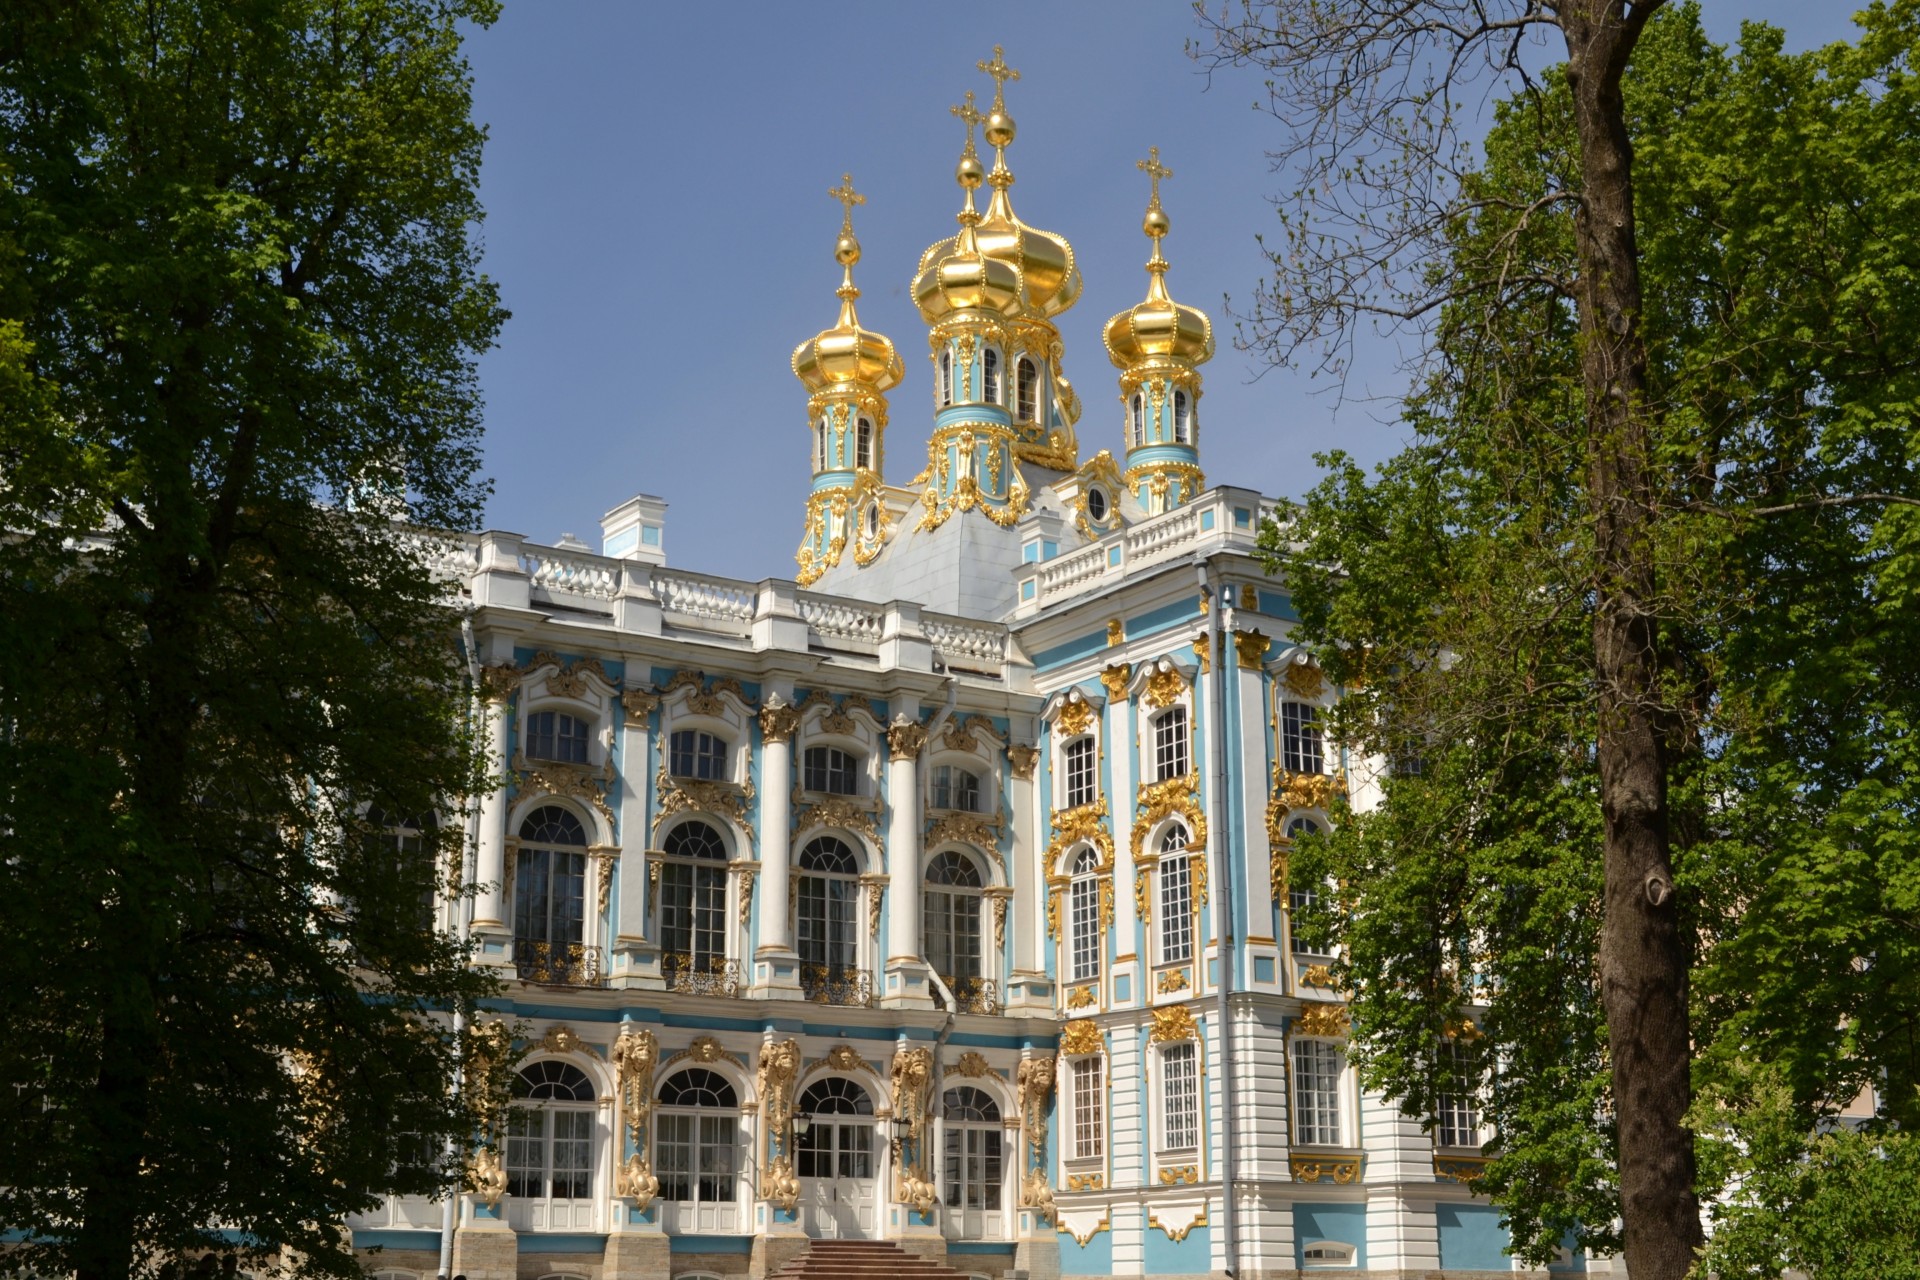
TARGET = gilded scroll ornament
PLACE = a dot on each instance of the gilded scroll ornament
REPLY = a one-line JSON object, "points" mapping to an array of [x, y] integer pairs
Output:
{"points": [[746, 893], [1081, 1037], [836, 811], [779, 721], [639, 704], [779, 1064], [1022, 757], [1074, 718], [1116, 678], [562, 1039], [875, 883], [1165, 685], [692, 795], [1317, 975], [912, 1075], [1176, 797], [1251, 646], [1172, 1022], [906, 737], [916, 1191], [967, 828], [1080, 997], [488, 1176], [566, 680], [1179, 1175], [998, 896], [1462, 1169], [635, 1054], [972, 1065], [1172, 980], [1322, 1018], [1305, 790], [498, 681], [1303, 680], [1314, 1168], [1037, 1194], [1203, 646], [1143, 894], [964, 734], [636, 1181], [582, 781], [778, 1186], [1034, 1079], [1086, 1181]]}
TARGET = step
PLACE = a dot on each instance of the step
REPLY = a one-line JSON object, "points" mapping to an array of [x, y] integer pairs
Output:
{"points": [[863, 1260]]}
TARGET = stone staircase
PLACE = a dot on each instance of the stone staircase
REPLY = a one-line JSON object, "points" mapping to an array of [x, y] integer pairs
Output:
{"points": [[863, 1260]]}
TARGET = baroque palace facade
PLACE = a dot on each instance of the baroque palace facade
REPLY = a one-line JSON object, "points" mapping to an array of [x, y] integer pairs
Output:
{"points": [[888, 902]]}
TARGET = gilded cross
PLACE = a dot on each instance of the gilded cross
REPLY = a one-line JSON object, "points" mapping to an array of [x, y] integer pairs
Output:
{"points": [[848, 198], [1152, 167], [1001, 73], [971, 114]]}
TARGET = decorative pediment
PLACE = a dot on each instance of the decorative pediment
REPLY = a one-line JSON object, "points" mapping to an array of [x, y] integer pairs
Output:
{"points": [[692, 795], [579, 679], [587, 782], [709, 698], [1176, 797], [837, 811]]}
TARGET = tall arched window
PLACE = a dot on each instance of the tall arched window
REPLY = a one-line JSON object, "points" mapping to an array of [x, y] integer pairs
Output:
{"points": [[827, 903], [838, 1142], [1299, 900], [1083, 918], [990, 375], [974, 1165], [820, 446], [1170, 741], [1139, 419], [549, 898], [1026, 391], [1175, 877], [946, 378], [863, 445], [550, 1143], [693, 906], [404, 847], [696, 1150], [952, 920], [1182, 418]]}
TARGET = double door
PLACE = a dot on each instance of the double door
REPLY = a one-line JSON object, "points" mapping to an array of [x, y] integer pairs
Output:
{"points": [[838, 1183]]}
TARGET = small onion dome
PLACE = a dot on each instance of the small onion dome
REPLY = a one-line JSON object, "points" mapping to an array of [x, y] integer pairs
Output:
{"points": [[1159, 326], [846, 353], [955, 275]]}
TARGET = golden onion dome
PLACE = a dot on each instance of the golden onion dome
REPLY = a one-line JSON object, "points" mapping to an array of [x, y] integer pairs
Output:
{"points": [[955, 275], [846, 353], [1158, 326]]}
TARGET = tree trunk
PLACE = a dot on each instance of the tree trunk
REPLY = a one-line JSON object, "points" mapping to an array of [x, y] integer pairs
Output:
{"points": [[1643, 957]]}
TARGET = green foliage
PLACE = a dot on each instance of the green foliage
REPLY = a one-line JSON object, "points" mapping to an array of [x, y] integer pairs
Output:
{"points": [[239, 316], [1452, 594]]}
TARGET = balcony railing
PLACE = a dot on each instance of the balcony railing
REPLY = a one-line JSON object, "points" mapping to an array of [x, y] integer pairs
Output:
{"points": [[973, 995], [558, 964], [700, 976], [831, 984]]}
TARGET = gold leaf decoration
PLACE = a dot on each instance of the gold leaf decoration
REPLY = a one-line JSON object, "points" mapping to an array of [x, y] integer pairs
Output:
{"points": [[1074, 718], [1172, 1022], [1081, 1037], [1322, 1018]]}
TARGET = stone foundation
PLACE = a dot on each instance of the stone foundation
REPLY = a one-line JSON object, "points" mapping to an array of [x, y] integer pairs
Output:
{"points": [[486, 1253], [770, 1253]]}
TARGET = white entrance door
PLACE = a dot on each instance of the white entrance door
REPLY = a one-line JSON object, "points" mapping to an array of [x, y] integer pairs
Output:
{"points": [[973, 1172], [551, 1138], [836, 1163]]}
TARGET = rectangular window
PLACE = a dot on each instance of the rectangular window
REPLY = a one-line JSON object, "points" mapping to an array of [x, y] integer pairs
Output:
{"points": [[694, 753], [831, 770], [1180, 1097], [1089, 1107], [956, 788], [1080, 784], [1457, 1108], [1299, 900], [693, 909], [1316, 1093], [1084, 928], [1170, 739], [554, 735], [1176, 909], [1300, 744]]}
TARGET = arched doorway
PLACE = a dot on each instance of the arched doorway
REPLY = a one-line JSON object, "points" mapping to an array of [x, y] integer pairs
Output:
{"points": [[975, 1167], [836, 1162], [551, 1137], [696, 1152]]}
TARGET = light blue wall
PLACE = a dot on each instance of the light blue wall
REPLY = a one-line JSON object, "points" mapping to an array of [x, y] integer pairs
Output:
{"points": [[1192, 1256], [1471, 1238], [1345, 1223], [1094, 1258]]}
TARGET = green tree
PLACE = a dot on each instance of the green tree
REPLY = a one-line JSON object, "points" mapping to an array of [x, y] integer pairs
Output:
{"points": [[1632, 594], [239, 316]]}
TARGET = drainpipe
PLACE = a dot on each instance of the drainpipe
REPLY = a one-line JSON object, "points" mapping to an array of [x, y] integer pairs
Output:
{"points": [[1222, 657], [463, 921]]}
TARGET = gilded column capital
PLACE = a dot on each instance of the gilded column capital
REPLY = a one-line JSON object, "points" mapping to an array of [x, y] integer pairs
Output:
{"points": [[778, 722], [497, 682], [1251, 647], [1116, 678], [639, 703], [1023, 757], [906, 737]]}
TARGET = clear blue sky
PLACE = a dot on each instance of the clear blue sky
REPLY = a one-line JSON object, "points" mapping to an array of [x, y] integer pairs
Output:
{"points": [[655, 183]]}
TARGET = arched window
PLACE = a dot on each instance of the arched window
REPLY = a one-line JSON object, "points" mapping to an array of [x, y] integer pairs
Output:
{"points": [[838, 1142], [1083, 918], [831, 770], [555, 735], [1170, 741], [956, 788], [696, 1149], [952, 919], [820, 446], [693, 905], [990, 375], [549, 898], [1080, 787], [550, 1143], [1299, 900], [695, 753], [1182, 418], [1175, 876], [973, 1152], [827, 903], [946, 377], [1139, 419], [403, 846], [863, 445], [1026, 391]]}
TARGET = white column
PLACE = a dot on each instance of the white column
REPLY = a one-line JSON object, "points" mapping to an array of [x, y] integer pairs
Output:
{"points": [[1028, 908], [497, 685], [906, 969], [777, 723], [630, 914], [1132, 952]]}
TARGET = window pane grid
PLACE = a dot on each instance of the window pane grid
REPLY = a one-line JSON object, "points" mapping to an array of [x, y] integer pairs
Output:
{"points": [[1089, 1108], [1316, 1093], [1176, 909], [831, 770], [1170, 744], [1180, 1094], [1079, 758], [693, 753], [1300, 742], [1084, 919]]}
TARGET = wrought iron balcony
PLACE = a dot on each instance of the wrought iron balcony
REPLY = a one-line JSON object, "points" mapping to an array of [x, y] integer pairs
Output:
{"points": [[973, 995], [832, 984], [558, 964], [700, 976]]}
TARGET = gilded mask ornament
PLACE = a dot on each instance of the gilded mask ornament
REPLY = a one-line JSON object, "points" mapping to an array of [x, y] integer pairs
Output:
{"points": [[562, 1039], [1165, 685], [972, 1065], [842, 1057], [779, 1064], [1081, 1037], [1303, 680], [1034, 1079], [634, 1055], [1074, 718], [1172, 1022], [912, 1075]]}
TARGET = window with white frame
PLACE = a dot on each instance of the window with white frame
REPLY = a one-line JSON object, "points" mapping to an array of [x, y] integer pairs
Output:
{"points": [[1170, 743], [1083, 918], [1301, 900], [549, 895], [1079, 756], [550, 1134], [1026, 391], [1457, 1104], [555, 735], [831, 770], [990, 376], [697, 1139], [1182, 418], [946, 378], [695, 753], [956, 788], [1087, 1080], [820, 446], [1138, 417], [826, 910], [951, 917], [1301, 748], [863, 445], [693, 902], [406, 846], [1175, 878], [1317, 1066], [1179, 1096], [1327, 1253]]}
